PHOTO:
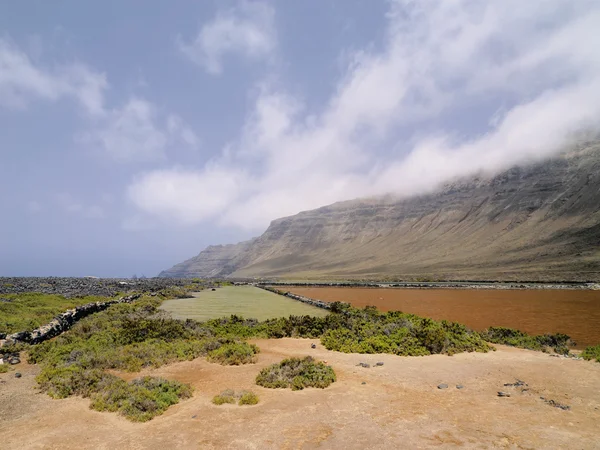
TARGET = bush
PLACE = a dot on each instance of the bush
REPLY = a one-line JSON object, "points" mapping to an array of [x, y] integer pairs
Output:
{"points": [[4, 368], [296, 373], [591, 353], [231, 397], [140, 400], [227, 396], [234, 353], [128, 337], [248, 398], [515, 338]]}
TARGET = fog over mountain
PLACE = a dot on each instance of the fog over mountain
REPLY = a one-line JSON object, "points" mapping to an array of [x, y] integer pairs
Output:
{"points": [[538, 222]]}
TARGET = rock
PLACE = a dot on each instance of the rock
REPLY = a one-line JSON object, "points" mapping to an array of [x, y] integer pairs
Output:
{"points": [[557, 404], [517, 383], [364, 382], [459, 386], [194, 416], [503, 394], [379, 363], [14, 360], [442, 386], [313, 346], [365, 365], [18, 375]]}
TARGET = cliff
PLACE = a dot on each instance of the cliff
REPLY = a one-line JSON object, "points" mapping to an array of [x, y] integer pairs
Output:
{"points": [[537, 222]]}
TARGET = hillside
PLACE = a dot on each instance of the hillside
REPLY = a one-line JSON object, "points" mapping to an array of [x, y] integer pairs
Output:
{"points": [[539, 222]]}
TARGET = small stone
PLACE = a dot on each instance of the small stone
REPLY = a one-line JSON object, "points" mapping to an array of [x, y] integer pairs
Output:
{"points": [[313, 346], [17, 375], [14, 360], [365, 365], [503, 394], [379, 363], [442, 386], [364, 382], [194, 416], [459, 386]]}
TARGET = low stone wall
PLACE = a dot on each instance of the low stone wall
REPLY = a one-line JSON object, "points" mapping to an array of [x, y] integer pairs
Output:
{"points": [[62, 322], [300, 298]]}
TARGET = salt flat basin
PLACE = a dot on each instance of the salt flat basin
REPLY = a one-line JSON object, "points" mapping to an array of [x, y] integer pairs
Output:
{"points": [[246, 301], [536, 311]]}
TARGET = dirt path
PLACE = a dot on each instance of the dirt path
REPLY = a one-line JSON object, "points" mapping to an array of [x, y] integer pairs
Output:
{"points": [[398, 407]]}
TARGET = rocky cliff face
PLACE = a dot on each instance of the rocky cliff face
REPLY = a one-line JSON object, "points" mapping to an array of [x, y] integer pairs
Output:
{"points": [[540, 222]]}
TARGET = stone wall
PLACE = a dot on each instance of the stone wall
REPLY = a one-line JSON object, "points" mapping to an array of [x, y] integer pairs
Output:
{"points": [[300, 298], [62, 322]]}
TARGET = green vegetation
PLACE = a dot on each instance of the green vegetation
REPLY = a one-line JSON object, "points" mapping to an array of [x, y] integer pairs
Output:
{"points": [[26, 312], [591, 352], [248, 398], [234, 354], [231, 397], [365, 330], [139, 400], [129, 337], [126, 337], [296, 373], [4, 368], [247, 301], [227, 396], [507, 336]]}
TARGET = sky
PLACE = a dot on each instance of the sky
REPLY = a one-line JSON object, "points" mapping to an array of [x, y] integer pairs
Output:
{"points": [[135, 133]]}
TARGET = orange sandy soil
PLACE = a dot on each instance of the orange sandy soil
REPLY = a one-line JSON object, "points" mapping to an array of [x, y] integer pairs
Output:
{"points": [[398, 407]]}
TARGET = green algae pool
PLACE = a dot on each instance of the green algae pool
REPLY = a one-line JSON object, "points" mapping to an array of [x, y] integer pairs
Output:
{"points": [[247, 301]]}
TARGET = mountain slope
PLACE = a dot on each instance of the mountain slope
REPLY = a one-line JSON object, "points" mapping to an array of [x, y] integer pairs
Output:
{"points": [[540, 222]]}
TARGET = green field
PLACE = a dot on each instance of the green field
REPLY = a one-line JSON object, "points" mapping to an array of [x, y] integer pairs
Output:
{"points": [[246, 301], [25, 312]]}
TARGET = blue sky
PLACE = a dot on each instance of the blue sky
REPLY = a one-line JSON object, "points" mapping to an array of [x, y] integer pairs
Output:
{"points": [[135, 133]]}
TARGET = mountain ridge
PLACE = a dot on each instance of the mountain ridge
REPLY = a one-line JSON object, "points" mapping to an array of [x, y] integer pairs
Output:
{"points": [[537, 222]]}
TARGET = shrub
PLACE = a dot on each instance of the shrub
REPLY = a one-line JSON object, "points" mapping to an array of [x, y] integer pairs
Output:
{"points": [[140, 400], [127, 337], [515, 338], [4, 368], [296, 373], [227, 396], [248, 398], [231, 397], [592, 352], [234, 353]]}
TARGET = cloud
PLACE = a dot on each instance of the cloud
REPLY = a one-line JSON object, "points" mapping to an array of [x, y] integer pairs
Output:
{"points": [[399, 121], [164, 191], [72, 206], [22, 82], [246, 30], [129, 133], [135, 131]]}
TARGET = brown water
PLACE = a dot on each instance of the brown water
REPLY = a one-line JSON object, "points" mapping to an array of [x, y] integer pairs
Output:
{"points": [[573, 312]]}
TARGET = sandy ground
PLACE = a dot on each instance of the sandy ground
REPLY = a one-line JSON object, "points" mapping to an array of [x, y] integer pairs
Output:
{"points": [[398, 407]]}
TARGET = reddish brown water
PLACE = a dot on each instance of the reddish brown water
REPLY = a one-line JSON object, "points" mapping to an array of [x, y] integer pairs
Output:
{"points": [[573, 312]]}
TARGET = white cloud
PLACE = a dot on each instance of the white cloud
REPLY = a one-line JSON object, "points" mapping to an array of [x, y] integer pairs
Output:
{"points": [[21, 81], [208, 193], [130, 133], [133, 132], [383, 131], [247, 30], [136, 133]]}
